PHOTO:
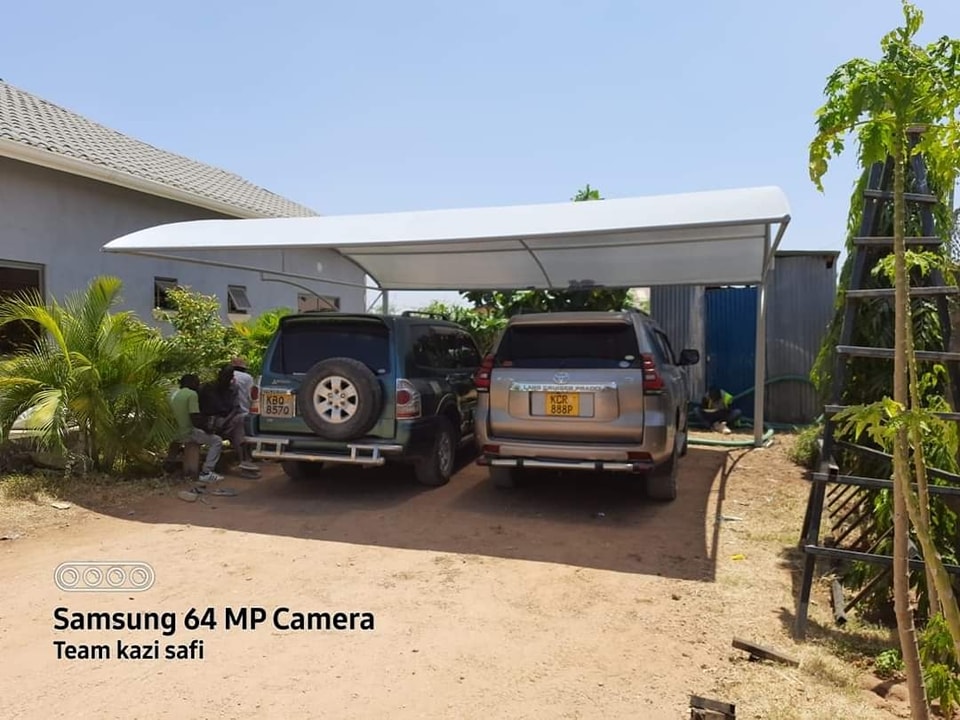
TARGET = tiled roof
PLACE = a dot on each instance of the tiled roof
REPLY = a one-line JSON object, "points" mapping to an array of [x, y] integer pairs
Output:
{"points": [[39, 124]]}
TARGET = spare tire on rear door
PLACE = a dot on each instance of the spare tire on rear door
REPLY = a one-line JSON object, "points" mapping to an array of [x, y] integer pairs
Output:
{"points": [[340, 399]]}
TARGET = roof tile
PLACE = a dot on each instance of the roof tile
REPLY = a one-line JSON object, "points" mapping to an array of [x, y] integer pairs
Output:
{"points": [[33, 121]]}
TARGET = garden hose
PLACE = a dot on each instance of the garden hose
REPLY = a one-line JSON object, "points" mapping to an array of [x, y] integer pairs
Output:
{"points": [[748, 422], [710, 442]]}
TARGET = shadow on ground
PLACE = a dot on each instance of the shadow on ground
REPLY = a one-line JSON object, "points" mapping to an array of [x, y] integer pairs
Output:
{"points": [[579, 519]]}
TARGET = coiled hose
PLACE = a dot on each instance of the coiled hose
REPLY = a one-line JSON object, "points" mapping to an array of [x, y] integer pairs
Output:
{"points": [[748, 422]]}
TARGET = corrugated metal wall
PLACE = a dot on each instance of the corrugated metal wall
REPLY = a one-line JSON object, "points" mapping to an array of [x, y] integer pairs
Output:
{"points": [[800, 302], [680, 311], [800, 297]]}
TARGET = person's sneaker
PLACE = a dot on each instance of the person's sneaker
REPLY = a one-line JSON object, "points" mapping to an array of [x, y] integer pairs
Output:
{"points": [[249, 467], [717, 427], [208, 478], [724, 429]]}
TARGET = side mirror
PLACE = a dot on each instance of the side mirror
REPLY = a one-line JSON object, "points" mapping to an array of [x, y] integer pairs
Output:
{"points": [[689, 357]]}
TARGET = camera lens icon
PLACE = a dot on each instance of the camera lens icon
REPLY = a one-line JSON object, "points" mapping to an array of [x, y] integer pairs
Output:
{"points": [[93, 576]]}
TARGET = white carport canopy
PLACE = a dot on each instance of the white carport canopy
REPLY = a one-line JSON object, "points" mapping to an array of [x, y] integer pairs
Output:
{"points": [[722, 237]]}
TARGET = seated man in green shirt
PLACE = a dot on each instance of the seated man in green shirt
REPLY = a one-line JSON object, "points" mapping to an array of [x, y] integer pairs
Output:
{"points": [[192, 426]]}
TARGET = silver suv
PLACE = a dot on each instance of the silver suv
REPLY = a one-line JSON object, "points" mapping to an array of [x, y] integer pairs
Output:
{"points": [[584, 391]]}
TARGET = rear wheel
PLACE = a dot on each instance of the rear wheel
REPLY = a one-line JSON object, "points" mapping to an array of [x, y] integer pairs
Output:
{"points": [[301, 469], [662, 481], [436, 469]]}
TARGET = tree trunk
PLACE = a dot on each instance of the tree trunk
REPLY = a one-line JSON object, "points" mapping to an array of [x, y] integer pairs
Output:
{"points": [[940, 593], [919, 707], [941, 578], [922, 523]]}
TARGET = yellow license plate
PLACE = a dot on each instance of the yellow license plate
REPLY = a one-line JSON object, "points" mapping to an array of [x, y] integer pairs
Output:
{"points": [[278, 405], [563, 404]]}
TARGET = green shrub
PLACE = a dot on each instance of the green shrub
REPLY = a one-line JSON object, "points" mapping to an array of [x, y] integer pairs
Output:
{"points": [[805, 451], [253, 337], [941, 672], [888, 664], [479, 322], [201, 342]]}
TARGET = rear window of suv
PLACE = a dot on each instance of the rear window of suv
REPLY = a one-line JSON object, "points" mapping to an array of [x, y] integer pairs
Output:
{"points": [[302, 344], [596, 345]]}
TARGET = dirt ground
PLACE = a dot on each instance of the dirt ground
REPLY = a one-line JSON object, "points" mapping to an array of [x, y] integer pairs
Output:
{"points": [[569, 597]]}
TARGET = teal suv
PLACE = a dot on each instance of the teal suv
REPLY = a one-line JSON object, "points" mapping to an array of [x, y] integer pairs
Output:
{"points": [[363, 389]]}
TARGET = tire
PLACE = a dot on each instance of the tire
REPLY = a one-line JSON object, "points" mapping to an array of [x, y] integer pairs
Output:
{"points": [[685, 445], [340, 399], [301, 469], [661, 482], [504, 477], [436, 469]]}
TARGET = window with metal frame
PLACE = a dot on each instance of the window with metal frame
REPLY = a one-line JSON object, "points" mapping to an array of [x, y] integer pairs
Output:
{"points": [[237, 301], [16, 280], [317, 303], [161, 287]]}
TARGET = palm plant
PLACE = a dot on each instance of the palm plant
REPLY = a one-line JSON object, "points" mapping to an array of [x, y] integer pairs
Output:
{"points": [[91, 371], [253, 336]]}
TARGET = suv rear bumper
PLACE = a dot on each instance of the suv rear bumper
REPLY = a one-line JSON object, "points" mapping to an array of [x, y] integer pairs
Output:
{"points": [[414, 439], [617, 458], [273, 447], [639, 466]]}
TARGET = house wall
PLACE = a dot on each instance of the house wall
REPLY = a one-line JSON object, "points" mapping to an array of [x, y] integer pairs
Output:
{"points": [[61, 221]]}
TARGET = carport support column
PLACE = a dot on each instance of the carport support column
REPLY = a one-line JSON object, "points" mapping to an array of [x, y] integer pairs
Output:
{"points": [[760, 361], [385, 296]]}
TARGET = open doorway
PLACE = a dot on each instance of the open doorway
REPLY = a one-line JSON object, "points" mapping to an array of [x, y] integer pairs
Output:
{"points": [[17, 278]]}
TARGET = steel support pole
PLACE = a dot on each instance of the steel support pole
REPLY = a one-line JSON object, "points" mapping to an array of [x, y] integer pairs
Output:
{"points": [[760, 362]]}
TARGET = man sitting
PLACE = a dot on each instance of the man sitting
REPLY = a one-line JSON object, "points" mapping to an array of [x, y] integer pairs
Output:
{"points": [[192, 426], [244, 382], [218, 400], [715, 412]]}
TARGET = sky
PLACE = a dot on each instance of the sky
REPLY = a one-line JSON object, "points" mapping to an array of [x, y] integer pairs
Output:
{"points": [[363, 106]]}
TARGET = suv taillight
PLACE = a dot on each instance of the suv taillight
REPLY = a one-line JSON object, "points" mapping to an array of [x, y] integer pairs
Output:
{"points": [[652, 382], [407, 399], [255, 397], [481, 378]]}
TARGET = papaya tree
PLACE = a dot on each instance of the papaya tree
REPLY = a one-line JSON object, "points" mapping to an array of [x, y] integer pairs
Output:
{"points": [[911, 87]]}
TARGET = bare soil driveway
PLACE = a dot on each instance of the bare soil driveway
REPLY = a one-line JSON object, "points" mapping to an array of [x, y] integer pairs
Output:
{"points": [[569, 597]]}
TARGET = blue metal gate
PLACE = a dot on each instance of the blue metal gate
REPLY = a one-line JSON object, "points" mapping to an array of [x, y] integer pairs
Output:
{"points": [[731, 322]]}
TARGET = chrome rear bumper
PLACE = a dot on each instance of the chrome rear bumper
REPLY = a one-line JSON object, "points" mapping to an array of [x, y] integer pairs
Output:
{"points": [[633, 466]]}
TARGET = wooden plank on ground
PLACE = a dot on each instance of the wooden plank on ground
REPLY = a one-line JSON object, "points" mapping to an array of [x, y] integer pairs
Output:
{"points": [[765, 653], [727, 710]]}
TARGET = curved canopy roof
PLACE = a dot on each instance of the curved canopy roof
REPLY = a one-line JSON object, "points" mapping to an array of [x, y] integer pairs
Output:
{"points": [[704, 238]]}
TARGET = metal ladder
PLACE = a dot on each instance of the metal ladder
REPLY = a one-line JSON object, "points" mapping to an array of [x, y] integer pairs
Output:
{"points": [[853, 529]]}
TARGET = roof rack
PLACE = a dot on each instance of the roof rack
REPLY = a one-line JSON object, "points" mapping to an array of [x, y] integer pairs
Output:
{"points": [[424, 313]]}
